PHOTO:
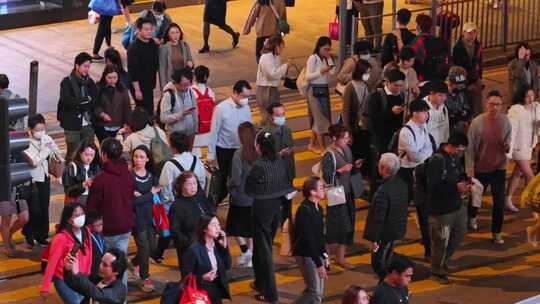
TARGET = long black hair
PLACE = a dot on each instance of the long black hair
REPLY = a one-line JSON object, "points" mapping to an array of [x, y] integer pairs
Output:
{"points": [[267, 146], [67, 213], [110, 68], [521, 93], [83, 145], [114, 57], [202, 225], [150, 163], [166, 36], [322, 41]]}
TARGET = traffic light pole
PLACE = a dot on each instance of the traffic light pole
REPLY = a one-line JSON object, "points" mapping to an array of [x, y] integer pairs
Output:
{"points": [[5, 176]]}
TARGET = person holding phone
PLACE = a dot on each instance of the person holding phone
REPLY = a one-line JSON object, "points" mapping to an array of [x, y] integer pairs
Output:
{"points": [[73, 238], [208, 259], [178, 108], [79, 174]]}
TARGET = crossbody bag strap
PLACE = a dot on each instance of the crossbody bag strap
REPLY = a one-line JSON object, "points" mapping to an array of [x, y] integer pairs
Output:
{"points": [[274, 10]]}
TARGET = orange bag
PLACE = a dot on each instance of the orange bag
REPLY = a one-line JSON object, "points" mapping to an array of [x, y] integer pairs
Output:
{"points": [[192, 295]]}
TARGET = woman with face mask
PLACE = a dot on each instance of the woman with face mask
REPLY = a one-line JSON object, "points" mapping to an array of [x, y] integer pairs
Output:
{"points": [[190, 204], [362, 51], [41, 148], [71, 237], [270, 72], [113, 108]]}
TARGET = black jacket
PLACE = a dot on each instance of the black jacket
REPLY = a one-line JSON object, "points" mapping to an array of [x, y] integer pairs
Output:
{"points": [[473, 66], [184, 215], [143, 62], [308, 233], [443, 173], [73, 177], [98, 250], [142, 205], [114, 293], [268, 179], [390, 50], [196, 261], [382, 122], [77, 97], [387, 215]]}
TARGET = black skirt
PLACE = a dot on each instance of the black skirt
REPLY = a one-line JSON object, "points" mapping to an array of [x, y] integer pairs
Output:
{"points": [[340, 223], [215, 12], [239, 222]]}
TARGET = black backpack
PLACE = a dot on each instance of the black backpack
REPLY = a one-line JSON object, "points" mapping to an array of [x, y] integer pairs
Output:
{"points": [[394, 142], [173, 103], [437, 61], [421, 181]]}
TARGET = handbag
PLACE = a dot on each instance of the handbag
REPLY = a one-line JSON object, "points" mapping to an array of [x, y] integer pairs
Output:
{"points": [[335, 194], [105, 7], [93, 17], [302, 83], [283, 26], [290, 82], [333, 29], [56, 165], [192, 295]]}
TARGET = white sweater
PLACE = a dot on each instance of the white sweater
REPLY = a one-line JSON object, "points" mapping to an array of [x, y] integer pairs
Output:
{"points": [[438, 124], [313, 69], [524, 130], [38, 153], [270, 70]]}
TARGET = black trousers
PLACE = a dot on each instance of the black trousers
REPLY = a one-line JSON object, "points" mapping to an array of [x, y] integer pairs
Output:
{"points": [[259, 45], [224, 159], [147, 102], [381, 258], [103, 32], [421, 208], [38, 225], [103, 134], [496, 181], [266, 216]]}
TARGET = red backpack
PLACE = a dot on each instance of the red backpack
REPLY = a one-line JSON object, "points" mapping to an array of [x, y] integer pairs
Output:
{"points": [[205, 106]]}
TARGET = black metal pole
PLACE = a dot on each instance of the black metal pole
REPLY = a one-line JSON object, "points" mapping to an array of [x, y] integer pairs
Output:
{"points": [[5, 182], [342, 30], [32, 94]]}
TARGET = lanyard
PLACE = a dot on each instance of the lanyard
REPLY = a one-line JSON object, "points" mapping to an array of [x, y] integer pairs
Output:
{"points": [[99, 243]]}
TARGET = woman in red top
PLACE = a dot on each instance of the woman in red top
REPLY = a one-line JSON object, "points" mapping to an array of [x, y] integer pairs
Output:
{"points": [[70, 235]]}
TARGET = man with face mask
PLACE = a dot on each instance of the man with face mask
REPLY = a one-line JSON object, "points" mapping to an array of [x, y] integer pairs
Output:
{"points": [[448, 187], [160, 19], [227, 116], [178, 108], [284, 145]]}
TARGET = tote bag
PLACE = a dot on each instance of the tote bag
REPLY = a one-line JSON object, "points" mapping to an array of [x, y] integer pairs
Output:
{"points": [[105, 7], [192, 295], [335, 194], [333, 29]]}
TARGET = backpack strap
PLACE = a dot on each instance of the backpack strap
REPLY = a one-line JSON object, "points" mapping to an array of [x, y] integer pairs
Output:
{"points": [[197, 92], [193, 164], [433, 143], [410, 129], [173, 99], [178, 165]]}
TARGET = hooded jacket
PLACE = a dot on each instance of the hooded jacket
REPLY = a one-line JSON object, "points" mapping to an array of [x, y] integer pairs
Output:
{"points": [[143, 137], [112, 195]]}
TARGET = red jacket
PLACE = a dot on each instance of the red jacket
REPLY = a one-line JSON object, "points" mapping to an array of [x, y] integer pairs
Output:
{"points": [[111, 194], [61, 245]]}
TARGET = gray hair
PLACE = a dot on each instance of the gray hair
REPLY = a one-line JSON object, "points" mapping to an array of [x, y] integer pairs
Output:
{"points": [[391, 162]]}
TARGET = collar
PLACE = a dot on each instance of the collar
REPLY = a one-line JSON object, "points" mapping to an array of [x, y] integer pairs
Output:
{"points": [[388, 93], [432, 106]]}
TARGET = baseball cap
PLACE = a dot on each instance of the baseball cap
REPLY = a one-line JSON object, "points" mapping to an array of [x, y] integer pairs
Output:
{"points": [[469, 27], [418, 105], [438, 86]]}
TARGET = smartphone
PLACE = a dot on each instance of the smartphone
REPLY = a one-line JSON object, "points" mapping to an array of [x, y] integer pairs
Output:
{"points": [[220, 237], [74, 249], [191, 109]]}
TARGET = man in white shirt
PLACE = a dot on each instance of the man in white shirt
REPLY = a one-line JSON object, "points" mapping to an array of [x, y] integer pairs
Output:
{"points": [[438, 124], [227, 116], [414, 147]]}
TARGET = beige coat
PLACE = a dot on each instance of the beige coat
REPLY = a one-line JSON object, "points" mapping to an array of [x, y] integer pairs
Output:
{"points": [[264, 19]]}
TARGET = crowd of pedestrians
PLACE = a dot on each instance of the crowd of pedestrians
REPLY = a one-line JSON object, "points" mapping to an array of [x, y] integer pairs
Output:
{"points": [[418, 131]]}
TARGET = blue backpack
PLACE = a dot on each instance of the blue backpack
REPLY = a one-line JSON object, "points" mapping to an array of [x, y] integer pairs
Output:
{"points": [[129, 35]]}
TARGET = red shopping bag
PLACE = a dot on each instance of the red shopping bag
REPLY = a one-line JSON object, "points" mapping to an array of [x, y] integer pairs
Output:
{"points": [[333, 29], [192, 295]]}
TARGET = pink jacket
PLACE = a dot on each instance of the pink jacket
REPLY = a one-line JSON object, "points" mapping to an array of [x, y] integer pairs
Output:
{"points": [[61, 245]]}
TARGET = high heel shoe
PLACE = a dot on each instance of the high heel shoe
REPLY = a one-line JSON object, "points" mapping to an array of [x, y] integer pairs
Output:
{"points": [[235, 39], [205, 49]]}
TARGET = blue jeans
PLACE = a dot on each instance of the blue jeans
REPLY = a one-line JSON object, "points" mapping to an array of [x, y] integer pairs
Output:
{"points": [[120, 241], [66, 294]]}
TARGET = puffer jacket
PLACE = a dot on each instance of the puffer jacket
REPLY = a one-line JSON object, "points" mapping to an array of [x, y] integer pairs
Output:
{"points": [[524, 130], [142, 137], [188, 124], [387, 215]]}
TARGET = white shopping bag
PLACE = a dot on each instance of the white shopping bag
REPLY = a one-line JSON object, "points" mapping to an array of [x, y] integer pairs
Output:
{"points": [[477, 191]]}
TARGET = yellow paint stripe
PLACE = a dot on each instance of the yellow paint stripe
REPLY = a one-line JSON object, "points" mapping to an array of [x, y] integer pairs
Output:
{"points": [[22, 294]]}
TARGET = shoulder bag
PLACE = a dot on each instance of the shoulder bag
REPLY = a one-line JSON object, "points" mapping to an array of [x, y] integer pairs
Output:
{"points": [[335, 194], [283, 26]]}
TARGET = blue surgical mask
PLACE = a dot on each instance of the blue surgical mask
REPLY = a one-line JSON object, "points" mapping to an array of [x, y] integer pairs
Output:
{"points": [[279, 120]]}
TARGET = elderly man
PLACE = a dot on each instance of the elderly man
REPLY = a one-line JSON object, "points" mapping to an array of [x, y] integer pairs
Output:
{"points": [[387, 217]]}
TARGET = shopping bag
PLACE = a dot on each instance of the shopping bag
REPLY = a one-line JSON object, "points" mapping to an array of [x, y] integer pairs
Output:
{"points": [[93, 17], [192, 295], [333, 29], [105, 7], [477, 190]]}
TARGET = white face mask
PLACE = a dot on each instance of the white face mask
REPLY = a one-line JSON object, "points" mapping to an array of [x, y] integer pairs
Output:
{"points": [[79, 221], [243, 102], [365, 57], [38, 134], [365, 77]]}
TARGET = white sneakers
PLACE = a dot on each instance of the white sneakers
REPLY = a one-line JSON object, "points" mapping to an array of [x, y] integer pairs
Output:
{"points": [[244, 260]]}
